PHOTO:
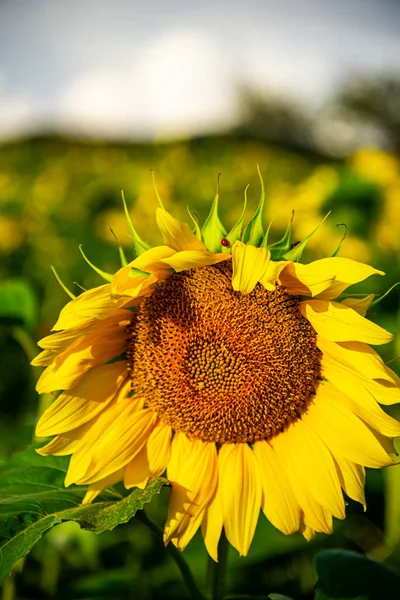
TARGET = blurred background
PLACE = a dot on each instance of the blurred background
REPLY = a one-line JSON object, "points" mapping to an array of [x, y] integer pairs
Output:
{"points": [[94, 94]]}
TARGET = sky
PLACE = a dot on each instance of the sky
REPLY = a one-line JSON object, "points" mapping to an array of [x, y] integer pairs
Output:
{"points": [[165, 68]]}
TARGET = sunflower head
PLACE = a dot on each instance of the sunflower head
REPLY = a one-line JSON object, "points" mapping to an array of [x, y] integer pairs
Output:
{"points": [[221, 359]]}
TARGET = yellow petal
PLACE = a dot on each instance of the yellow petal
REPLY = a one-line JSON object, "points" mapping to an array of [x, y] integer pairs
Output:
{"points": [[249, 265], [152, 460], [307, 456], [177, 235], [192, 470], [360, 305], [307, 533], [59, 340], [87, 399], [137, 472], [182, 538], [190, 259], [279, 502], [96, 303], [344, 432], [241, 493], [120, 443], [96, 488], [393, 376], [152, 260], [130, 283], [271, 275], [44, 359], [344, 271], [360, 401], [335, 372], [355, 357], [305, 280], [65, 443], [383, 391], [352, 479], [315, 516], [338, 323], [159, 448], [103, 341], [117, 435], [211, 526]]}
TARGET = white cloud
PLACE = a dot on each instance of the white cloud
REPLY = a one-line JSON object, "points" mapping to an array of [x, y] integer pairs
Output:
{"points": [[16, 111], [180, 84]]}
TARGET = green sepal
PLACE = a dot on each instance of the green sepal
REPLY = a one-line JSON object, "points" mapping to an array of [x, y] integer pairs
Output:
{"points": [[138, 244], [115, 359], [295, 253], [196, 229], [283, 245], [60, 281], [379, 298], [342, 240], [236, 231], [153, 175], [130, 308], [137, 272], [264, 243], [121, 252], [106, 276], [254, 232], [213, 231]]}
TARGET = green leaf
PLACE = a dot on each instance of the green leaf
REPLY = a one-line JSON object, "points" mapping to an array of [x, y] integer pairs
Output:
{"points": [[347, 575], [18, 304], [33, 499], [278, 597], [295, 253], [254, 232], [283, 245], [213, 231]]}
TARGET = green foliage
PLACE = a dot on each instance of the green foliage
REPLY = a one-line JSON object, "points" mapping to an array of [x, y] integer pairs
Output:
{"points": [[18, 305], [33, 499], [346, 575]]}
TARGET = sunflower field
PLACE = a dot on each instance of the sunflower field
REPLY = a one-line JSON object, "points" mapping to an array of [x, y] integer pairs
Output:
{"points": [[167, 299]]}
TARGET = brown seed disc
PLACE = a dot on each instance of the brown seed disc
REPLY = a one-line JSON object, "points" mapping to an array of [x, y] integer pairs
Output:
{"points": [[220, 365]]}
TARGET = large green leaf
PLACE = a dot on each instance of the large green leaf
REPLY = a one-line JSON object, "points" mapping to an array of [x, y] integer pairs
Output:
{"points": [[33, 499], [18, 304], [350, 576]]}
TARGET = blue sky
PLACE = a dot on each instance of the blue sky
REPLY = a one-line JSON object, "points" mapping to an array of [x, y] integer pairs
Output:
{"points": [[163, 68]]}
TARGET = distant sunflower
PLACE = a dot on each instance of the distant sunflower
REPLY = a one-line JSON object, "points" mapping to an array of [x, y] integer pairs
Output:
{"points": [[223, 361]]}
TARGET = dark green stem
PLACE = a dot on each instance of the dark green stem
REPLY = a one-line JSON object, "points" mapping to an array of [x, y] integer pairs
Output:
{"points": [[218, 570], [176, 554]]}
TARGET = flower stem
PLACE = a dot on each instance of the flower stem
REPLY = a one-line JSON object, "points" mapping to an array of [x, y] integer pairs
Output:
{"points": [[176, 554], [218, 570]]}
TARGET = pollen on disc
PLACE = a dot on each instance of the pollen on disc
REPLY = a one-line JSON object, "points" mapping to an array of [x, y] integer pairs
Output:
{"points": [[220, 365]]}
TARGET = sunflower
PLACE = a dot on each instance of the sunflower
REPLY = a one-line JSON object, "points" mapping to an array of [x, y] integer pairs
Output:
{"points": [[234, 368]]}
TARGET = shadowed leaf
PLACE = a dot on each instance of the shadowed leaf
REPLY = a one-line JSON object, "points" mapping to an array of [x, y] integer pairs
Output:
{"points": [[33, 499]]}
